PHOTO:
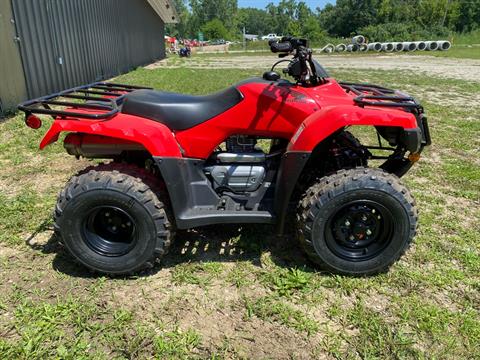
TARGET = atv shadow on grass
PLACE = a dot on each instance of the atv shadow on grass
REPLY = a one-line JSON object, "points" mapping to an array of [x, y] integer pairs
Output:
{"points": [[220, 243]]}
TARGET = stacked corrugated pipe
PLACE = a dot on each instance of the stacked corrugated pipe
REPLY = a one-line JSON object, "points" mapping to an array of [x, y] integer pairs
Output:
{"points": [[360, 44]]}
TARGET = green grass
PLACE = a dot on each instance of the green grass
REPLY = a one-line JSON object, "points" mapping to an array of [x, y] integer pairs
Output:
{"points": [[455, 52], [200, 274], [241, 292], [270, 309], [74, 329], [186, 80], [470, 38]]}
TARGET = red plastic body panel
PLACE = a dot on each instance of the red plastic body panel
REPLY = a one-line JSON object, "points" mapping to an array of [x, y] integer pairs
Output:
{"points": [[155, 137], [268, 109], [325, 122]]}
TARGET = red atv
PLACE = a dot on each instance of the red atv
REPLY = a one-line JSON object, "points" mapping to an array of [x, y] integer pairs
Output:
{"points": [[182, 161]]}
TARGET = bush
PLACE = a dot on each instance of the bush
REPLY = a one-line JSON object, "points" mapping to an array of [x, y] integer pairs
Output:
{"points": [[467, 38], [402, 32], [215, 30]]}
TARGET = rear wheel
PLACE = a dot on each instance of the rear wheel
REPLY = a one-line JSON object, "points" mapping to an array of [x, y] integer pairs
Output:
{"points": [[112, 221], [357, 222]]}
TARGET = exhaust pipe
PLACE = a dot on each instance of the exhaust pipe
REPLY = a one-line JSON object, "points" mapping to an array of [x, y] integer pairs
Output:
{"points": [[421, 45], [409, 46], [340, 48], [375, 46], [388, 47], [359, 39], [98, 146], [353, 48], [444, 45], [432, 45]]}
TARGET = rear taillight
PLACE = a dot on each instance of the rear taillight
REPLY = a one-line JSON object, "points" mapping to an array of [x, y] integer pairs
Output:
{"points": [[33, 121]]}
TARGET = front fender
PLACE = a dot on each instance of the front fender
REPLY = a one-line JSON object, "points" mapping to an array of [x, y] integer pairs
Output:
{"points": [[327, 121], [155, 137]]}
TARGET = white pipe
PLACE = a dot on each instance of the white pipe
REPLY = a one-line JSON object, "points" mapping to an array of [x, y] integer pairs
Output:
{"points": [[375, 46], [397, 46], [340, 48], [431, 45], [363, 47], [409, 46], [421, 45], [444, 45], [352, 48], [388, 47], [329, 48], [359, 39]]}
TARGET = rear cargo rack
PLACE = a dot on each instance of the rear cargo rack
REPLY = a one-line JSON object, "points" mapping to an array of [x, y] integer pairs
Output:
{"points": [[96, 101], [374, 95]]}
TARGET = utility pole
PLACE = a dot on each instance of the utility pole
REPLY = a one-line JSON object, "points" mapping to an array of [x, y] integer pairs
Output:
{"points": [[244, 40]]}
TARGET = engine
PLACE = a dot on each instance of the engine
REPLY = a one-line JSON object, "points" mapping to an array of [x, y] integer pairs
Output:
{"points": [[239, 169]]}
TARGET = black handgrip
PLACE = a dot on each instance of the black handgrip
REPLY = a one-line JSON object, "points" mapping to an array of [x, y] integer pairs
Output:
{"points": [[281, 47]]}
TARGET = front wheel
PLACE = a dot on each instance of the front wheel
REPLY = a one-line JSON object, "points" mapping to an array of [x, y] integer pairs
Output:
{"points": [[357, 222], [112, 220]]}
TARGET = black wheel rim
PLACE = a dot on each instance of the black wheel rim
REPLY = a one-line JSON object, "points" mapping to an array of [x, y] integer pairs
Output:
{"points": [[359, 230], [110, 231]]}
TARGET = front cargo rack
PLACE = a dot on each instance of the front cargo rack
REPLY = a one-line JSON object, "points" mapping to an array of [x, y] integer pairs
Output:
{"points": [[374, 95], [96, 101]]}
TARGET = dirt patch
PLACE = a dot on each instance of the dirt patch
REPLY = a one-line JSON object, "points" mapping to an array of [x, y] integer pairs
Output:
{"points": [[15, 179], [210, 49], [7, 252], [219, 316], [444, 96], [463, 69]]}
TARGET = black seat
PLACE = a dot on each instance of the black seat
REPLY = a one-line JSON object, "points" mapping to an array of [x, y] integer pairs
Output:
{"points": [[178, 111]]}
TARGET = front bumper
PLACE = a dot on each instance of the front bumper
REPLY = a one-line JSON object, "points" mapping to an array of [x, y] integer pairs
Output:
{"points": [[416, 139]]}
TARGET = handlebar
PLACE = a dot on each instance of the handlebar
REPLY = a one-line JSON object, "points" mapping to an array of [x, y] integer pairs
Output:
{"points": [[287, 44], [306, 71], [280, 47]]}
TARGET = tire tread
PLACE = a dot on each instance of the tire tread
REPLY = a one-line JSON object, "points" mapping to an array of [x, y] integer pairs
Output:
{"points": [[341, 181], [131, 180]]}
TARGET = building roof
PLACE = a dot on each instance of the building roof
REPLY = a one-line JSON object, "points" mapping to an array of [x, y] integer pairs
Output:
{"points": [[166, 10]]}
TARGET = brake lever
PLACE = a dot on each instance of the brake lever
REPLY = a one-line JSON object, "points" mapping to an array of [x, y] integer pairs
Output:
{"points": [[283, 55]]}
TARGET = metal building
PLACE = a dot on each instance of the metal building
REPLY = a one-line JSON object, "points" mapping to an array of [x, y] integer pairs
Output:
{"points": [[51, 45]]}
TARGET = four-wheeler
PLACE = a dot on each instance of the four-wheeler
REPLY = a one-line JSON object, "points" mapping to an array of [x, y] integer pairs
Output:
{"points": [[245, 155]]}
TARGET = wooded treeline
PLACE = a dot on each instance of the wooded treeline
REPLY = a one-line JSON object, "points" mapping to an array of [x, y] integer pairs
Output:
{"points": [[379, 20]]}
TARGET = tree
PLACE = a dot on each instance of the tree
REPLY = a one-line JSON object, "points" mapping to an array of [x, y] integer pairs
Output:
{"points": [[214, 30], [204, 11], [468, 15], [180, 29], [254, 20], [312, 30], [294, 29], [379, 19], [347, 16]]}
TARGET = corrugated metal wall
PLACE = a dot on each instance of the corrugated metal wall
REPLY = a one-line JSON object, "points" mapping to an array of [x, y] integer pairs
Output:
{"points": [[65, 43], [12, 81]]}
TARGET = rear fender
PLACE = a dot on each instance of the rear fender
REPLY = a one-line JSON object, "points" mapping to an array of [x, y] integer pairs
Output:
{"points": [[156, 138], [320, 125]]}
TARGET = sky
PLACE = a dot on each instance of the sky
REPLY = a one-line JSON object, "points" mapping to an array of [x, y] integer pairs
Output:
{"points": [[262, 3]]}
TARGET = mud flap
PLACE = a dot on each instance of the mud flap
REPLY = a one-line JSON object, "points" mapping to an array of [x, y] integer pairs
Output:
{"points": [[290, 169]]}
